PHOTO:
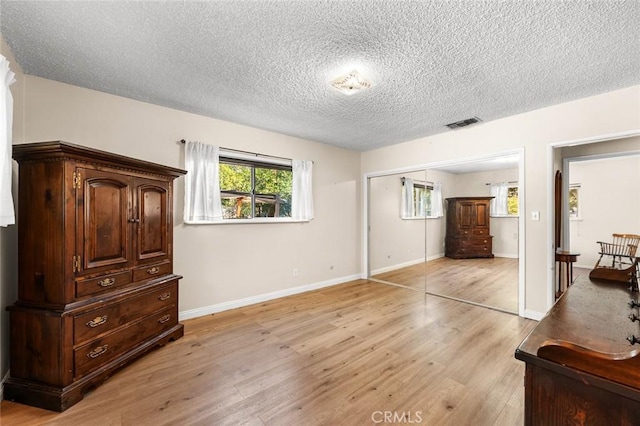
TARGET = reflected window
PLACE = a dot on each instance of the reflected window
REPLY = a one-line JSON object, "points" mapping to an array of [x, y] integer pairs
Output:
{"points": [[418, 199], [574, 201], [512, 200]]}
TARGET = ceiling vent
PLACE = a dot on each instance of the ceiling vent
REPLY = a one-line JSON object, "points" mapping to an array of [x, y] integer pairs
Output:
{"points": [[463, 123]]}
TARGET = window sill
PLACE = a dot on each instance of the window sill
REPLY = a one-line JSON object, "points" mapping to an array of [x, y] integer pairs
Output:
{"points": [[250, 221], [420, 217]]}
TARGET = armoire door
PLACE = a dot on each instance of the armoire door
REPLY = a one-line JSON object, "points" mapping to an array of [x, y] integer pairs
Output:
{"points": [[103, 206], [152, 221], [482, 216]]}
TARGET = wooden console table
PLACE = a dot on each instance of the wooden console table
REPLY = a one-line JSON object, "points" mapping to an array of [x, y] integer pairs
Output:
{"points": [[581, 365], [568, 259]]}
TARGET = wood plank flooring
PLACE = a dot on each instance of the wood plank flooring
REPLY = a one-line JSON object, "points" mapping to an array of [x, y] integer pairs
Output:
{"points": [[345, 355], [490, 282]]}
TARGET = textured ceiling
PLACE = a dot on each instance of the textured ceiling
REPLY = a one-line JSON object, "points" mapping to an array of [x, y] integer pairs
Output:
{"points": [[269, 64]]}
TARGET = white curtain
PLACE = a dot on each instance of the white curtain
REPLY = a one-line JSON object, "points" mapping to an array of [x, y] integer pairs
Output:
{"points": [[499, 203], [436, 200], [302, 190], [7, 77], [202, 201], [407, 208]]}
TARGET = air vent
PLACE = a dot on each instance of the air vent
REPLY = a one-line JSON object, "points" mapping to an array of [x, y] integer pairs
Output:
{"points": [[463, 123]]}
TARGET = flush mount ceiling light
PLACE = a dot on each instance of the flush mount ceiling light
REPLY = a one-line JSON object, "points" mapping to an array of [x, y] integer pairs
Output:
{"points": [[351, 83]]}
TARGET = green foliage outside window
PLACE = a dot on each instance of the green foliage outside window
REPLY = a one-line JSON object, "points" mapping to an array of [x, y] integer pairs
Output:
{"points": [[268, 196], [573, 202], [512, 200]]}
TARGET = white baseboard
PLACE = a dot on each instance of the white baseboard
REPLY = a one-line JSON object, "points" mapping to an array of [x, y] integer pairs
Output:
{"points": [[507, 255], [232, 304], [397, 266], [4, 379], [534, 315], [405, 264]]}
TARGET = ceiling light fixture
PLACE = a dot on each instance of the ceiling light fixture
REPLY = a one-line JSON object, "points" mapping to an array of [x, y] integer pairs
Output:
{"points": [[351, 83]]}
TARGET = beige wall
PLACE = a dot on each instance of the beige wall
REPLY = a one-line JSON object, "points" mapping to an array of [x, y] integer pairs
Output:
{"points": [[395, 242], [608, 113], [220, 263], [8, 235], [609, 203]]}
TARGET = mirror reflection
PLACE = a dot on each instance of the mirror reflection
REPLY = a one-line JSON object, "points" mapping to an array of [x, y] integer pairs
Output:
{"points": [[452, 231]]}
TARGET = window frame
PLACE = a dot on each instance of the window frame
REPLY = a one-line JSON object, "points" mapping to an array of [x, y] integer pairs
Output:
{"points": [[577, 188], [245, 159], [517, 187], [418, 184]]}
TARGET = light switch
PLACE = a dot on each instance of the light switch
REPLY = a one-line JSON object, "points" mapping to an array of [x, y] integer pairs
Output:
{"points": [[535, 215]]}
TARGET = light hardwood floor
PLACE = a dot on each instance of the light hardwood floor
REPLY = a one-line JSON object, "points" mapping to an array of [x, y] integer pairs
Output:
{"points": [[491, 282], [335, 356]]}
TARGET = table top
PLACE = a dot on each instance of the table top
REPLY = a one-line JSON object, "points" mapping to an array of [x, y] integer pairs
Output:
{"points": [[587, 330]]}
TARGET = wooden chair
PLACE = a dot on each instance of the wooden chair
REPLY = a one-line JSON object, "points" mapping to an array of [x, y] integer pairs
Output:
{"points": [[618, 261]]}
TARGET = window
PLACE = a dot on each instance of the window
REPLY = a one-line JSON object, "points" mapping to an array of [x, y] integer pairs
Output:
{"points": [[250, 189], [574, 201], [229, 186], [512, 200], [419, 199], [422, 199], [505, 199]]}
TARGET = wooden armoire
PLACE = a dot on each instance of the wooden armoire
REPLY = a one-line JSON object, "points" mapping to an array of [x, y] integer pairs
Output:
{"points": [[96, 287], [468, 232]]}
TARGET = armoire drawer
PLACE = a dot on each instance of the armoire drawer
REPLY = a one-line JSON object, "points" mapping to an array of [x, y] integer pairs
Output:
{"points": [[152, 271], [92, 355], [475, 243], [102, 283], [91, 324]]}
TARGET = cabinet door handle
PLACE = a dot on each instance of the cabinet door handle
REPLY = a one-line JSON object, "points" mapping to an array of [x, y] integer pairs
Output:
{"points": [[164, 296], [134, 220], [97, 321], [98, 351], [164, 319], [107, 282], [153, 270]]}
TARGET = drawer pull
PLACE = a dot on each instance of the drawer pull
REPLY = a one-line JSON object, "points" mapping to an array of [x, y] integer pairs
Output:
{"points": [[98, 351], [164, 296], [153, 270], [164, 319], [107, 282], [97, 321], [485, 241]]}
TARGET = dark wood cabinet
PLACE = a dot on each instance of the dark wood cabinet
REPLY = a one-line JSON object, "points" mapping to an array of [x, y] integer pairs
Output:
{"points": [[96, 287], [468, 228], [580, 365]]}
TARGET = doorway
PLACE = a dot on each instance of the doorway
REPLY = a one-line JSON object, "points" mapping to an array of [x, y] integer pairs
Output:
{"points": [[604, 172]]}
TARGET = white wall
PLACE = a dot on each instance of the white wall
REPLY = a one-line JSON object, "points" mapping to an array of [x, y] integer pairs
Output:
{"points": [[609, 203], [221, 264], [607, 113]]}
